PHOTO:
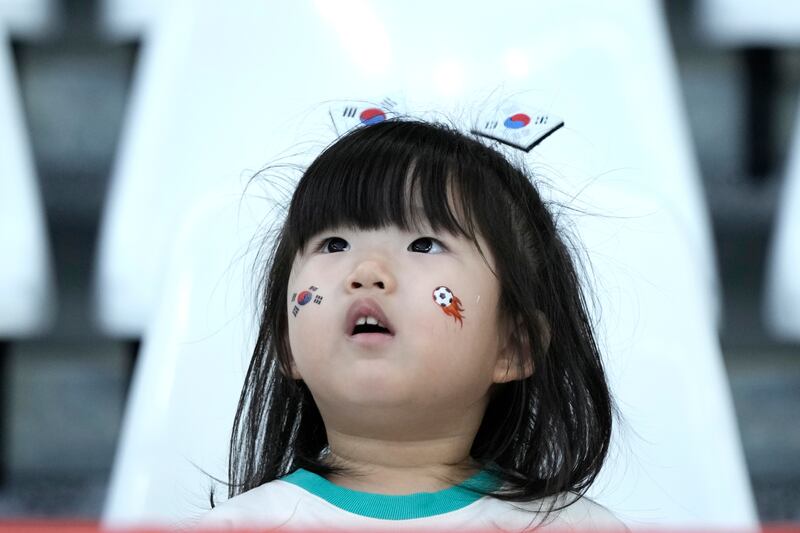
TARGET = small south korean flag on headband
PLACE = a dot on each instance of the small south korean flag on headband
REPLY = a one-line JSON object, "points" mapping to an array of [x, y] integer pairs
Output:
{"points": [[350, 114], [517, 125]]}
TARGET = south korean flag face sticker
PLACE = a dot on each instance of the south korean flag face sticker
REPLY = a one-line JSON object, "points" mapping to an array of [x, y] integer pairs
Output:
{"points": [[449, 303], [304, 297]]}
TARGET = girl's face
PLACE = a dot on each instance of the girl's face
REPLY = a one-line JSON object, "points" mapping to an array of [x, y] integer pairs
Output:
{"points": [[437, 361]]}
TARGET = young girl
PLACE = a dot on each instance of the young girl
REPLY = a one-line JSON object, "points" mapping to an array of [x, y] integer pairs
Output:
{"points": [[424, 357]]}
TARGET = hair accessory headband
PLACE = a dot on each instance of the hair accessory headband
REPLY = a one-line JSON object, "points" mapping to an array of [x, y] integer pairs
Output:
{"points": [[351, 114], [517, 125]]}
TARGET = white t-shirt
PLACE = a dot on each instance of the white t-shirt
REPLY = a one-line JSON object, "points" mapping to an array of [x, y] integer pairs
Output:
{"points": [[304, 500]]}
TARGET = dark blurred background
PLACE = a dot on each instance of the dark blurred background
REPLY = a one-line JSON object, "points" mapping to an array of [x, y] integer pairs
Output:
{"points": [[65, 391]]}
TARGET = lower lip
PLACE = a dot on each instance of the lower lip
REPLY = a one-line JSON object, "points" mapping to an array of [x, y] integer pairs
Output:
{"points": [[371, 339]]}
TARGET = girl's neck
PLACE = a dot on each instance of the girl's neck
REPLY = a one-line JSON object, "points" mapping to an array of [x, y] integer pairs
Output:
{"points": [[401, 468]]}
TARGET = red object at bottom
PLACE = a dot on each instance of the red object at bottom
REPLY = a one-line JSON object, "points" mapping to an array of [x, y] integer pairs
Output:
{"points": [[77, 526]]}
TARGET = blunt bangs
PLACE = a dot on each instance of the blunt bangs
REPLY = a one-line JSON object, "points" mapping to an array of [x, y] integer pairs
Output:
{"points": [[397, 172]]}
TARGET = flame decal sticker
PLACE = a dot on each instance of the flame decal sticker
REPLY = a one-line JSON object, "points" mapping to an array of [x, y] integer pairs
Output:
{"points": [[449, 303]]}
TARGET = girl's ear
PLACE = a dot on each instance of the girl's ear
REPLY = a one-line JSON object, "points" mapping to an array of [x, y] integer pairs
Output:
{"points": [[515, 360]]}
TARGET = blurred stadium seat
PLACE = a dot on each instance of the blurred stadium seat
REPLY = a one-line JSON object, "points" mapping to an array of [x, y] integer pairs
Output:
{"points": [[29, 18], [194, 356], [782, 284], [737, 23], [27, 299], [128, 19]]}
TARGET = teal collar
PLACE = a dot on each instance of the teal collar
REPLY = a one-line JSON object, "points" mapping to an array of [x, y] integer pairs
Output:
{"points": [[405, 507]]}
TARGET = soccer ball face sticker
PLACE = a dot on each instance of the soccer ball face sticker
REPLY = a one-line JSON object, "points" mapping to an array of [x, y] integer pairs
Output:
{"points": [[449, 303]]}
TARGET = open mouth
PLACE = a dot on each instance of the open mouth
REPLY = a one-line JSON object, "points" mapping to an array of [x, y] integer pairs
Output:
{"points": [[369, 328], [367, 325]]}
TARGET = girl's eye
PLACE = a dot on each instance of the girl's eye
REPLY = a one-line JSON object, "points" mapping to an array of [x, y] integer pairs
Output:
{"points": [[334, 244], [426, 245]]}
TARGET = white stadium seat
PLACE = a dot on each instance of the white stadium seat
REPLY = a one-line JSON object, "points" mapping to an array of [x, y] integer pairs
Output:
{"points": [[782, 284], [222, 90], [192, 363], [769, 23], [676, 459], [128, 19], [30, 19], [737, 23], [27, 300]]}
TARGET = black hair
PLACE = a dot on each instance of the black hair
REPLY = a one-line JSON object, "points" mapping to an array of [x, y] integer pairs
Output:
{"points": [[541, 436]]}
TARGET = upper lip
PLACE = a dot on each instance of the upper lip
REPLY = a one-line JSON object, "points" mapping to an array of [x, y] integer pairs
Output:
{"points": [[366, 307]]}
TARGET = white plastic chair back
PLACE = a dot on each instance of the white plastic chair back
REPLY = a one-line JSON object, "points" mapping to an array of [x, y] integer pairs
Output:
{"points": [[782, 285], [29, 18], [27, 302], [223, 90], [676, 459], [677, 463], [192, 364], [762, 23], [128, 19]]}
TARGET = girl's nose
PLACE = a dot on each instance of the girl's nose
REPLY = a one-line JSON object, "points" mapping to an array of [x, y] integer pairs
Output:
{"points": [[370, 274]]}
